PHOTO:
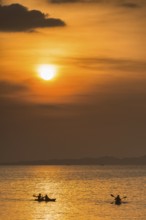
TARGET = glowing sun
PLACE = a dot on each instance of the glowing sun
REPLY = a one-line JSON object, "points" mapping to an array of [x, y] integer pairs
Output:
{"points": [[46, 71]]}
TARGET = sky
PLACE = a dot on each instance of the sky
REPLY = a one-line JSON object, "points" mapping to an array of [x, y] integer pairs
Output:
{"points": [[95, 104]]}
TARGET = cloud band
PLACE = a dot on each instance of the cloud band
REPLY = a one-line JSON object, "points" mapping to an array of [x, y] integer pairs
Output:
{"points": [[17, 18]]}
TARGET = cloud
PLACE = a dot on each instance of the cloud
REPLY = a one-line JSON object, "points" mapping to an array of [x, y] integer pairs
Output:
{"points": [[124, 4], [98, 63], [130, 5], [114, 126], [16, 17], [64, 1], [73, 1], [8, 88]]}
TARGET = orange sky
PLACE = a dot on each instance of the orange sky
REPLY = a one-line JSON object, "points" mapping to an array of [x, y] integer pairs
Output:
{"points": [[66, 47]]}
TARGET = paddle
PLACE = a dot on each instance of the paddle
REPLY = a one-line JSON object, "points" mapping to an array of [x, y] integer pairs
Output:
{"points": [[34, 195], [121, 198], [112, 195]]}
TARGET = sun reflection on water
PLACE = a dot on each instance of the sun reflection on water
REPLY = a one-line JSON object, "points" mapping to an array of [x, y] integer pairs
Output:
{"points": [[81, 192]]}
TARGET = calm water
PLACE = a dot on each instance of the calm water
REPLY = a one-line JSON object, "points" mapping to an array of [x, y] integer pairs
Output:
{"points": [[82, 192]]}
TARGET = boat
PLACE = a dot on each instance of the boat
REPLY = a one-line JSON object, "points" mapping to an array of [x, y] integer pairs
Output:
{"points": [[118, 202], [45, 200]]}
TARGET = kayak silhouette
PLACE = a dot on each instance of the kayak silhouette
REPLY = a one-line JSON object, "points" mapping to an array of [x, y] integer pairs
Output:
{"points": [[118, 199], [45, 198]]}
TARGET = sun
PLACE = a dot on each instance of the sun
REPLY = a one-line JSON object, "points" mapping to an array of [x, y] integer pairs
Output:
{"points": [[47, 71]]}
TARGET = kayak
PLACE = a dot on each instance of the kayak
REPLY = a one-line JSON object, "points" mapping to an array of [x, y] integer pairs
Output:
{"points": [[118, 202], [45, 200]]}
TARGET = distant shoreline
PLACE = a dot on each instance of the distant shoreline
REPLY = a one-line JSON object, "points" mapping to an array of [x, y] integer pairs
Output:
{"points": [[101, 161]]}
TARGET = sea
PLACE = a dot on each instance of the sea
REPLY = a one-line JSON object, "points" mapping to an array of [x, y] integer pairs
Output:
{"points": [[81, 192]]}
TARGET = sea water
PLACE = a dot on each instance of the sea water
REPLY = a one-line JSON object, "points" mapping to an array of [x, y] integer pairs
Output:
{"points": [[81, 192]]}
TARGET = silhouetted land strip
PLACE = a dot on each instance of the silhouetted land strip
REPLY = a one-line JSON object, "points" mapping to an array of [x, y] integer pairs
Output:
{"points": [[85, 161]]}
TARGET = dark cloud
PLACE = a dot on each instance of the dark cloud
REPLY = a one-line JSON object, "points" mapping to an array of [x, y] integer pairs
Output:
{"points": [[98, 63], [123, 4], [64, 1], [130, 5], [114, 126], [16, 17], [74, 1], [8, 88]]}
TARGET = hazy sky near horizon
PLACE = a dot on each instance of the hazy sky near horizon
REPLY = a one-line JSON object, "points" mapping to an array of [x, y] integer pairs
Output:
{"points": [[96, 103]]}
